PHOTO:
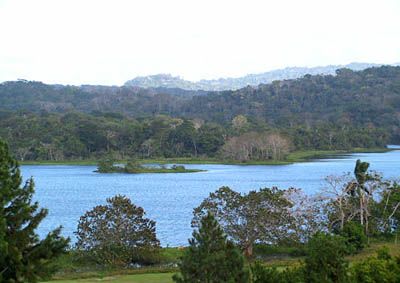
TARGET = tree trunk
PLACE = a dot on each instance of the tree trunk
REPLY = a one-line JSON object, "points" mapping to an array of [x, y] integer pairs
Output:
{"points": [[361, 208], [248, 251]]}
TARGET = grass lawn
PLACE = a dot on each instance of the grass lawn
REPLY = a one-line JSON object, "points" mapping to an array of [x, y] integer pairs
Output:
{"points": [[133, 278]]}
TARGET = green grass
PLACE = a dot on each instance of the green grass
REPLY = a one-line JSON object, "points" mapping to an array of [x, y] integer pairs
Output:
{"points": [[306, 155], [132, 278]]}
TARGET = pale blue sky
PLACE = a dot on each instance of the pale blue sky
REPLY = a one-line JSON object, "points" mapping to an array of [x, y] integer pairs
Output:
{"points": [[109, 42]]}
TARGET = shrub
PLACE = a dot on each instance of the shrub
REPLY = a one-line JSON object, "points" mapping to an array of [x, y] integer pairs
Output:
{"points": [[354, 236], [106, 165], [262, 274], [380, 269], [325, 260]]}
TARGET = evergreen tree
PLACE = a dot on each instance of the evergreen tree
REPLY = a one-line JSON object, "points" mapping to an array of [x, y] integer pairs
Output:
{"points": [[210, 257], [23, 256]]}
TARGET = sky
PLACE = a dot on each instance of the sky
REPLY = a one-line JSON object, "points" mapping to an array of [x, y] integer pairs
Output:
{"points": [[110, 42]]}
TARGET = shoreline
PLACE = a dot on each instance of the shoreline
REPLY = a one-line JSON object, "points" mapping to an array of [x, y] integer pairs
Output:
{"points": [[293, 157]]}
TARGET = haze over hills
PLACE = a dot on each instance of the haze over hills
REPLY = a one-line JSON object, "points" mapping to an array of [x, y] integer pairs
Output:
{"points": [[169, 81]]}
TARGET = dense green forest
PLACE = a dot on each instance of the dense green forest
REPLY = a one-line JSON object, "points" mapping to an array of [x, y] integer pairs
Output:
{"points": [[72, 136], [55, 122]]}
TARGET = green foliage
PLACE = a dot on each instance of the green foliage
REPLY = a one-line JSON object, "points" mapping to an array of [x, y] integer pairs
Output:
{"points": [[354, 236], [23, 256], [380, 269], [105, 165], [325, 260], [210, 257], [132, 166], [262, 274], [118, 234], [260, 216], [268, 250], [350, 110]]}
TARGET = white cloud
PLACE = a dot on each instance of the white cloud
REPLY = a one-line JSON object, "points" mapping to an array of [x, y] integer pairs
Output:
{"points": [[109, 42]]}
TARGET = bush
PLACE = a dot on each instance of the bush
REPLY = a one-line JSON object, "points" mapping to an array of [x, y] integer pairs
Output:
{"points": [[261, 274], [382, 268], [354, 236], [325, 260], [105, 165], [265, 250]]}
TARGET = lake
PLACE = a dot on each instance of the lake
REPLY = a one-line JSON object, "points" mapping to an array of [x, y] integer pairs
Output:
{"points": [[68, 191]]}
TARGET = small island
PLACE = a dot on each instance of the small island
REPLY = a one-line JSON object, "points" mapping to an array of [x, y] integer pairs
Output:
{"points": [[134, 167]]}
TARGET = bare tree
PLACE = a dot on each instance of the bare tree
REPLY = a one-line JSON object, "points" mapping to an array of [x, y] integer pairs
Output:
{"points": [[338, 205], [256, 146], [307, 214], [350, 198]]}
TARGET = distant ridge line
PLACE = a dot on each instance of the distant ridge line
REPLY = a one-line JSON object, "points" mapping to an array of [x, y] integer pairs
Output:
{"points": [[169, 81]]}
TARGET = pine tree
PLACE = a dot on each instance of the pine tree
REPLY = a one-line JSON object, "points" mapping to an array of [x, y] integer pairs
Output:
{"points": [[210, 257], [23, 256]]}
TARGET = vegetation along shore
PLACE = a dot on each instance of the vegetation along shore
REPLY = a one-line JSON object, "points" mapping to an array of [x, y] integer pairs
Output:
{"points": [[267, 235]]}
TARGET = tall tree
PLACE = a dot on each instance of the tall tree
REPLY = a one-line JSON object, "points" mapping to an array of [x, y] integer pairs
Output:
{"points": [[23, 256], [259, 216], [118, 233], [210, 257]]}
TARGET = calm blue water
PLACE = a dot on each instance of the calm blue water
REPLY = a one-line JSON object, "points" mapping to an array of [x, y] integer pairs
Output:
{"points": [[69, 191]]}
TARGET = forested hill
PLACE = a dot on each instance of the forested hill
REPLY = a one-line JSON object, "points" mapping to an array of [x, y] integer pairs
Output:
{"points": [[350, 109], [357, 97], [38, 97], [366, 98]]}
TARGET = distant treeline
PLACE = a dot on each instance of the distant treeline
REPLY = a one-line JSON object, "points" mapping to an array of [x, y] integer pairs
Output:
{"points": [[351, 109]]}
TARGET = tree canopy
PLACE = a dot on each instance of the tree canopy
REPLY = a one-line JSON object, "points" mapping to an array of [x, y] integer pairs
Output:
{"points": [[260, 216], [118, 234]]}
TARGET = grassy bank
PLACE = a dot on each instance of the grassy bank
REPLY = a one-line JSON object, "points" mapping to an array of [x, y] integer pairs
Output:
{"points": [[132, 278], [295, 156], [279, 257]]}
